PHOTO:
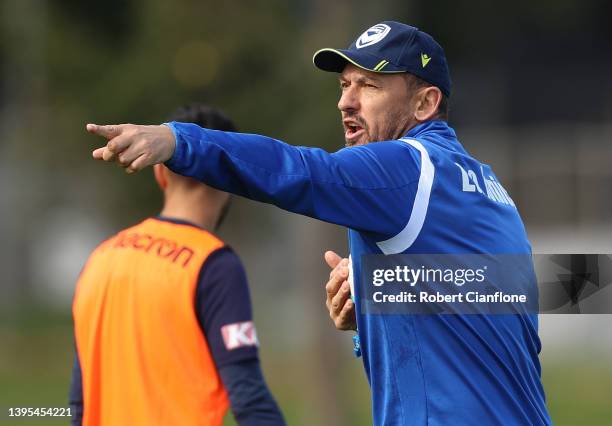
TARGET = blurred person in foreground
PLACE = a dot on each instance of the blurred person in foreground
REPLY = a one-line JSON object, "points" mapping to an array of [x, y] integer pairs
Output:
{"points": [[399, 188], [163, 321]]}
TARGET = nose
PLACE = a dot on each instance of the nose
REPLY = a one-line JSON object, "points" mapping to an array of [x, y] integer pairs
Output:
{"points": [[349, 101]]}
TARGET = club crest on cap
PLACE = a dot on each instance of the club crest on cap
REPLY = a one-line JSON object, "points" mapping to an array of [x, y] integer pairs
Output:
{"points": [[372, 35]]}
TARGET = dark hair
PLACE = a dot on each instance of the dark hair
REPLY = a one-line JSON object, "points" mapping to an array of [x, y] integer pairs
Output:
{"points": [[211, 118], [415, 83], [203, 116]]}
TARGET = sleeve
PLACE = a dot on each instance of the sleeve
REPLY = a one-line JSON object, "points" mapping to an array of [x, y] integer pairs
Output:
{"points": [[75, 398], [368, 188], [224, 311], [251, 401], [223, 306]]}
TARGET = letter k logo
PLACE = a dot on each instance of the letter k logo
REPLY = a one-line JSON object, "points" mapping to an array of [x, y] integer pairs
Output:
{"points": [[239, 334]]}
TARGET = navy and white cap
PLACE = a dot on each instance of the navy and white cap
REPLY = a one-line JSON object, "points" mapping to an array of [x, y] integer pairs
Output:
{"points": [[392, 47]]}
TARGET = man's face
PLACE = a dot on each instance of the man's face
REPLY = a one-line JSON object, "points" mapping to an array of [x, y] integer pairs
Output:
{"points": [[375, 107]]}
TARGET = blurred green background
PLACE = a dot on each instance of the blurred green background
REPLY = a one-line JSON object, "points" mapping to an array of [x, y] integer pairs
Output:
{"points": [[532, 97]]}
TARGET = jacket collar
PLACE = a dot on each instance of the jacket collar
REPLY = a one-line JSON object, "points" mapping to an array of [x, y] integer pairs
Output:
{"points": [[437, 132]]}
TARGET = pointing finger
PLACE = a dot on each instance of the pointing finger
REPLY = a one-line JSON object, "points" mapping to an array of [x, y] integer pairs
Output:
{"points": [[107, 132]]}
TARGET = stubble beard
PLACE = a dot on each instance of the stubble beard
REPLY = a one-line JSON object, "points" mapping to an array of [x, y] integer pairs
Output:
{"points": [[394, 126]]}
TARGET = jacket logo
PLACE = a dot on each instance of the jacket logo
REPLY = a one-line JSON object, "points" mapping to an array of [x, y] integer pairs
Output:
{"points": [[239, 335], [372, 35], [494, 190]]}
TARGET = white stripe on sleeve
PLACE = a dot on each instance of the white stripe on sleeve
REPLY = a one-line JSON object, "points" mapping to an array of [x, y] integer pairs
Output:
{"points": [[407, 236]]}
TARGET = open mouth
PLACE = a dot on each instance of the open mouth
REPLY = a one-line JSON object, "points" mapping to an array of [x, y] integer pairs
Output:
{"points": [[353, 131]]}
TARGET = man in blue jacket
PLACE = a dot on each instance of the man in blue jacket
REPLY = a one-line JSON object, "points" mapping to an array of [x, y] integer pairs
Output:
{"points": [[415, 191]]}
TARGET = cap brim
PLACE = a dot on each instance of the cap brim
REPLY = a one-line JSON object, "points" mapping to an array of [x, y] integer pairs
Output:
{"points": [[334, 60]]}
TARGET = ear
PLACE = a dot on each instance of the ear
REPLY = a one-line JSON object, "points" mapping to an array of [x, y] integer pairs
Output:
{"points": [[427, 105], [161, 176]]}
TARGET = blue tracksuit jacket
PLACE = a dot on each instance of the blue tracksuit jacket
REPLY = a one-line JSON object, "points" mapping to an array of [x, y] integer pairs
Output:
{"points": [[421, 194]]}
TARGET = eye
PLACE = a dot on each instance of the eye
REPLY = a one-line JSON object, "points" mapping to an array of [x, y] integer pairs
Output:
{"points": [[370, 85], [343, 85]]}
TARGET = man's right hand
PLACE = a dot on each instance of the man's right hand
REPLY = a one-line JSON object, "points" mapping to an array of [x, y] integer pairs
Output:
{"points": [[339, 304], [134, 147]]}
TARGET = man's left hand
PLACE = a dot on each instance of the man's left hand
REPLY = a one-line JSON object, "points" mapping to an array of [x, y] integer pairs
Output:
{"points": [[338, 301], [133, 146]]}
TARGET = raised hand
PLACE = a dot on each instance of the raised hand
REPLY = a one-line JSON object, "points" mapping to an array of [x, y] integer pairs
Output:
{"points": [[132, 146]]}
